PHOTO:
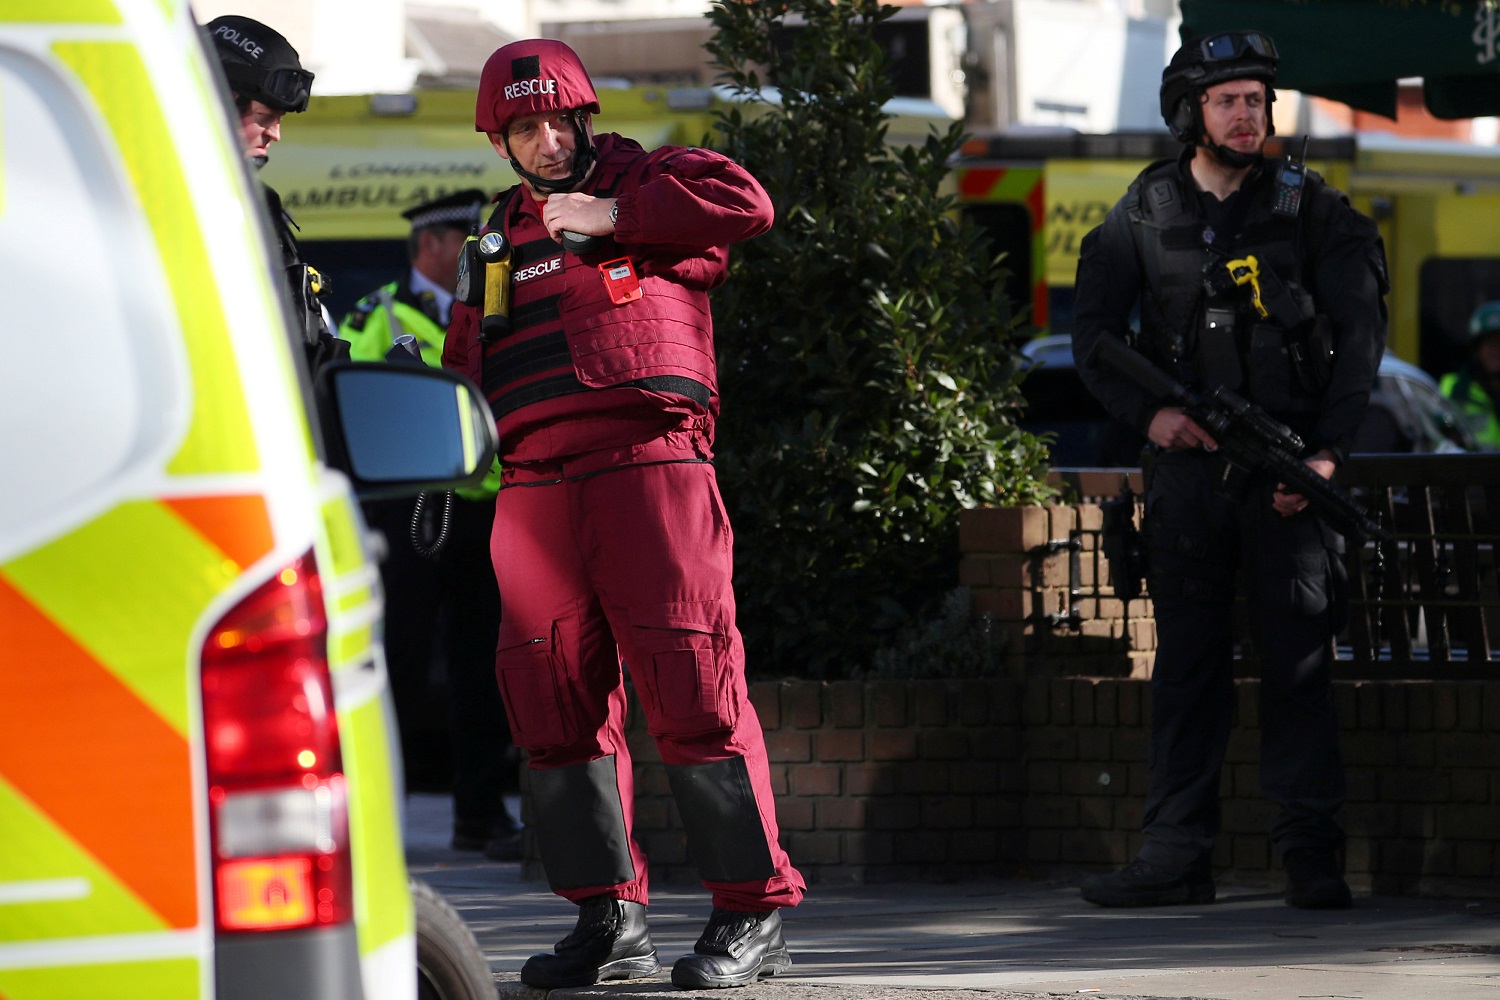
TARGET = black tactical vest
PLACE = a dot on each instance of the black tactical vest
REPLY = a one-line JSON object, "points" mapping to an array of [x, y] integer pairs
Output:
{"points": [[1199, 316]]}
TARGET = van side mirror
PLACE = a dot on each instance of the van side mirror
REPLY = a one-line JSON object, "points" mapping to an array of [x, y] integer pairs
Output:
{"points": [[396, 430]]}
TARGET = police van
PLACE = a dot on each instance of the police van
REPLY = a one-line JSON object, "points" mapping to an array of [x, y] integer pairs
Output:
{"points": [[199, 796]]}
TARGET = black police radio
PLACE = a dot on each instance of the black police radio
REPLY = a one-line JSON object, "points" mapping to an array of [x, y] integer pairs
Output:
{"points": [[1286, 202]]}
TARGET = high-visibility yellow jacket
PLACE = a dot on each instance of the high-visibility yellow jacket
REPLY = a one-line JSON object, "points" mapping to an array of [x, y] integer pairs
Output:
{"points": [[1476, 405], [375, 325]]}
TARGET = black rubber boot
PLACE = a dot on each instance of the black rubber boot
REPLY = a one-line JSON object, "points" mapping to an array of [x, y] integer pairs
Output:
{"points": [[736, 949], [1141, 883], [610, 941], [1313, 881]]}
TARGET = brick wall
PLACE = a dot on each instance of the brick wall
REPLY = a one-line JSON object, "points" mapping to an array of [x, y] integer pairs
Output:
{"points": [[940, 780], [879, 781], [1018, 564], [1045, 767]]}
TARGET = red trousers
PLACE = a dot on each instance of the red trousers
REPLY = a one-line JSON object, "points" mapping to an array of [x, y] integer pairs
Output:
{"points": [[633, 564]]}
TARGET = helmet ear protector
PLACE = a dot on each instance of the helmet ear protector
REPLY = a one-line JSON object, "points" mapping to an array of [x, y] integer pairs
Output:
{"points": [[1207, 60], [1184, 122]]}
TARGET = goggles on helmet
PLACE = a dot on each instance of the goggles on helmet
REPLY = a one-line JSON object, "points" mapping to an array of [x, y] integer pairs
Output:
{"points": [[292, 87], [1236, 45], [284, 89]]}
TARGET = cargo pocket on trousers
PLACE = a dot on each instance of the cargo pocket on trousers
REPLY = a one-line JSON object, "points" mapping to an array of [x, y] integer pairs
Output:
{"points": [[533, 684], [678, 668], [1303, 589]]}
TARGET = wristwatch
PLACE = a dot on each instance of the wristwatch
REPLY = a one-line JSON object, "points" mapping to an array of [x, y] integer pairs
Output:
{"points": [[614, 213]]}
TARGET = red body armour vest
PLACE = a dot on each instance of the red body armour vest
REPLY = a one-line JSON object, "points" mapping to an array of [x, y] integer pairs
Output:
{"points": [[574, 353]]}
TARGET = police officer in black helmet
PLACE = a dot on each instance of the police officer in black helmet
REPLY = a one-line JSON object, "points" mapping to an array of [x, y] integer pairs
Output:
{"points": [[1303, 340], [267, 81]]}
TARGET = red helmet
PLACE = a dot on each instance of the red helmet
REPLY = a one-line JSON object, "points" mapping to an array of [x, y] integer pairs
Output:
{"points": [[528, 78]]}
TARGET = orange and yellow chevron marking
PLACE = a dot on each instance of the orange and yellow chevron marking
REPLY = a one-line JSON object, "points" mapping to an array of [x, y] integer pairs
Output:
{"points": [[1023, 184], [238, 525], [129, 587], [97, 760], [1026, 185], [976, 182], [56, 887], [95, 709]]}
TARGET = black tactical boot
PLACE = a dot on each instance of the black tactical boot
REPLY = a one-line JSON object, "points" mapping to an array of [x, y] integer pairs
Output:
{"points": [[1313, 881], [1141, 883], [736, 949], [476, 834], [610, 941]]}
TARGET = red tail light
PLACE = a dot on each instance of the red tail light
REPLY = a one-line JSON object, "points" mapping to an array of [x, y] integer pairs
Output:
{"points": [[277, 802]]}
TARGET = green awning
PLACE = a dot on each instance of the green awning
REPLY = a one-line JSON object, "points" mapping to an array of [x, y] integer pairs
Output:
{"points": [[1354, 51]]}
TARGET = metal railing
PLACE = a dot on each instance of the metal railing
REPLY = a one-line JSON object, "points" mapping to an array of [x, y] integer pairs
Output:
{"points": [[1424, 605]]}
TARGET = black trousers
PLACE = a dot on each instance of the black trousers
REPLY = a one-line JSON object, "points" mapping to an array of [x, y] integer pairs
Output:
{"points": [[1202, 546], [442, 622]]}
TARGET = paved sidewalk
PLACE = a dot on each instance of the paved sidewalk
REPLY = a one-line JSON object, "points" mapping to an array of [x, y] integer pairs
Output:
{"points": [[1010, 939]]}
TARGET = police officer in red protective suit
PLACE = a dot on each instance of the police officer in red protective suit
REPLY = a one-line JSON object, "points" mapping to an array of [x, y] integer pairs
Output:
{"points": [[611, 542]]}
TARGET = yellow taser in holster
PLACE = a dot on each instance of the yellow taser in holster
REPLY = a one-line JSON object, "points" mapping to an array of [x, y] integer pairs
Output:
{"points": [[1246, 271]]}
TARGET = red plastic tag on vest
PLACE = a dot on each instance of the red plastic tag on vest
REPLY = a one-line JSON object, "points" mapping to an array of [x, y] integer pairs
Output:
{"points": [[621, 280]]}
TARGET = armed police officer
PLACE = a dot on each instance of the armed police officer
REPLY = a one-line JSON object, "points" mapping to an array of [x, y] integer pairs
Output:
{"points": [[267, 81], [611, 542], [1255, 276]]}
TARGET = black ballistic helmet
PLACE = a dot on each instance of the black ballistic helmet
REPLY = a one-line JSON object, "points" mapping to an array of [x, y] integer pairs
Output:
{"points": [[260, 63], [1207, 60]]}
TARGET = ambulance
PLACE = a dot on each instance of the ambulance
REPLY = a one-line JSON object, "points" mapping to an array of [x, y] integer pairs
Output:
{"points": [[349, 165], [199, 791]]}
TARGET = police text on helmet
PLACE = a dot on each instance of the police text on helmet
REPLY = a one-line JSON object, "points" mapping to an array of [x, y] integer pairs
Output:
{"points": [[252, 48]]}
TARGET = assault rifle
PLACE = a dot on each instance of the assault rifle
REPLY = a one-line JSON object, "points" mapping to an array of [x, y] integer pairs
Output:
{"points": [[1249, 439]]}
